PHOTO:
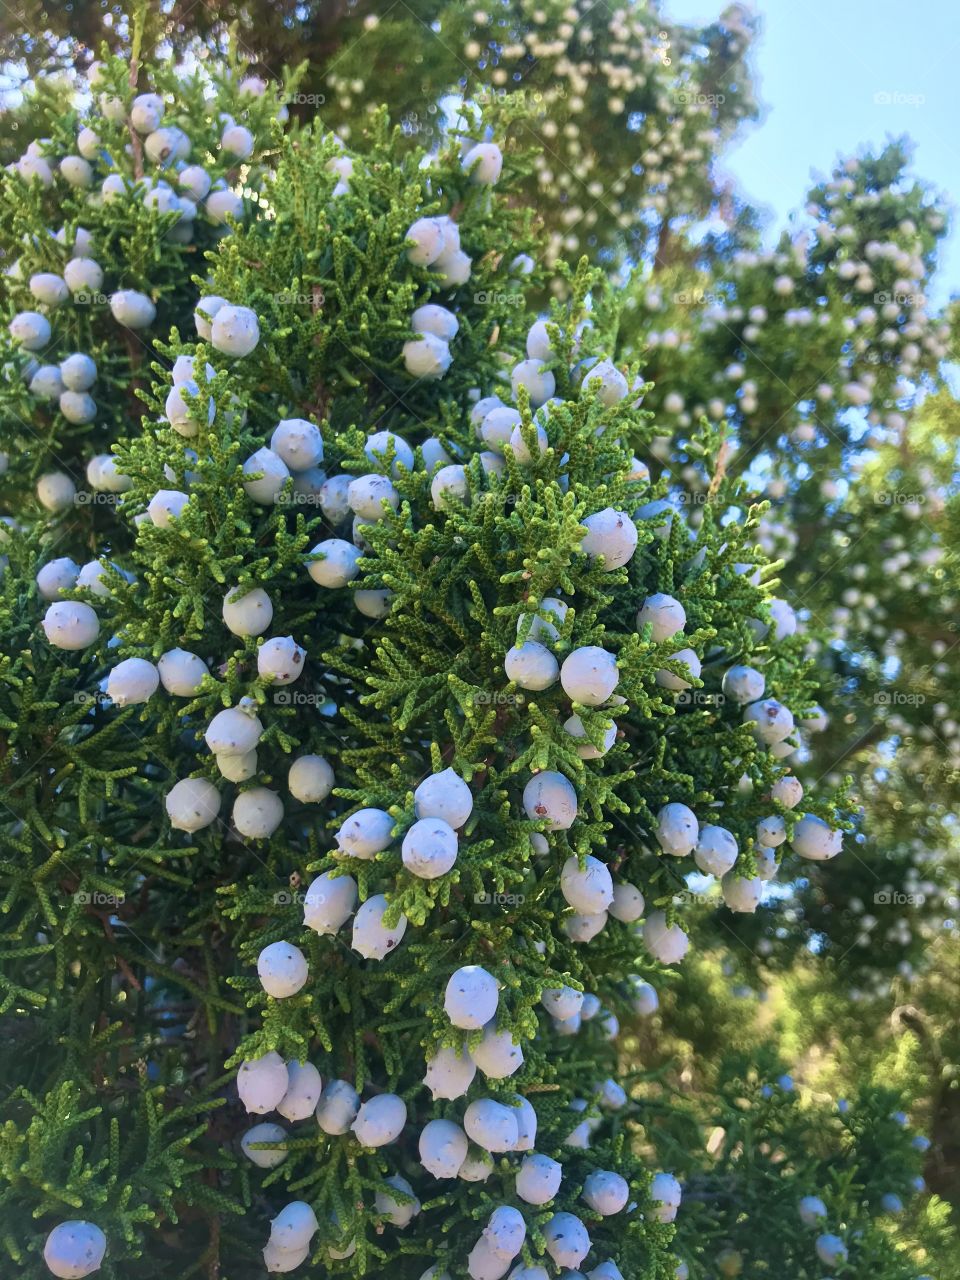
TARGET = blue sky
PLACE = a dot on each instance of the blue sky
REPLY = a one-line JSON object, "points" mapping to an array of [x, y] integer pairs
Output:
{"points": [[821, 64]]}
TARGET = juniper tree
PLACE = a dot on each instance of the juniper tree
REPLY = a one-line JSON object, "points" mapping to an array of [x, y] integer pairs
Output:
{"points": [[495, 743]]}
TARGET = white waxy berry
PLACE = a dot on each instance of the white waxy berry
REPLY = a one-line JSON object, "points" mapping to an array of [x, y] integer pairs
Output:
{"points": [[74, 1249], [338, 1107], [484, 163], [444, 795], [131, 681], [380, 1120], [667, 1193], [742, 893], [56, 491], [195, 180], [766, 863], [520, 447], [257, 813], [166, 506], [498, 426], [104, 474], [294, 1226], [282, 969], [57, 576], [542, 628], [47, 383], [427, 236], [83, 275], [146, 112], [76, 171], [367, 494], [49, 288], [429, 848], [375, 603], [497, 1055], [436, 320], [589, 675], [237, 141], [561, 1002], [329, 902], [183, 410], [31, 330], [538, 1179], [665, 615], [830, 1249], [434, 454], [611, 534], [771, 831], [449, 1073], [221, 205], [716, 850], [526, 1123], [237, 768], [235, 330], [279, 1261], [471, 997], [426, 356], [298, 443], [181, 672], [449, 482], [770, 720], [628, 904], [815, 840], [453, 269], [551, 797], [268, 474], [536, 378], [811, 1210], [192, 804], [587, 888], [784, 619], [233, 732], [371, 937], [666, 943], [484, 1264], [365, 833], [606, 382], [605, 1191], [78, 371], [399, 1210], [381, 443], [505, 1231], [303, 1091], [77, 407], [567, 1240], [532, 666], [677, 829], [787, 791], [477, 1167], [669, 680], [310, 779], [88, 143], [280, 660], [70, 624], [265, 1159], [583, 926], [205, 312], [262, 1082], [491, 1125], [132, 309], [573, 725], [743, 684], [482, 407], [340, 563], [443, 1148], [247, 613], [644, 998]]}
